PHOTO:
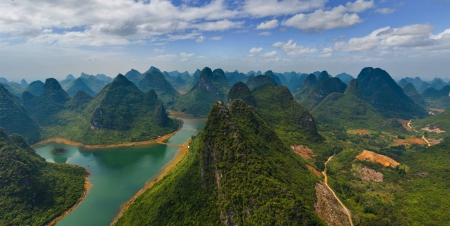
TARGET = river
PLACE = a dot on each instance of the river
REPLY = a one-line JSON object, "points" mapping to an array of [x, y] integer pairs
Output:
{"points": [[116, 174]]}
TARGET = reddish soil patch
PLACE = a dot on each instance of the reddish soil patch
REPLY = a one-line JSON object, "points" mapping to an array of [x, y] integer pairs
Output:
{"points": [[314, 170], [404, 124], [181, 92], [408, 141], [303, 151], [377, 158], [362, 131]]}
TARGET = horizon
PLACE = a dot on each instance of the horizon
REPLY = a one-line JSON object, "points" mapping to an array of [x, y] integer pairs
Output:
{"points": [[407, 39]]}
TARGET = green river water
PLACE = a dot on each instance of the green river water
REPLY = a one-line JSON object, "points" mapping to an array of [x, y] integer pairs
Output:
{"points": [[116, 173]]}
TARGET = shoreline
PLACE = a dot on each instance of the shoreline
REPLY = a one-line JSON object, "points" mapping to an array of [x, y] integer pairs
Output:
{"points": [[87, 186], [158, 140], [178, 158]]}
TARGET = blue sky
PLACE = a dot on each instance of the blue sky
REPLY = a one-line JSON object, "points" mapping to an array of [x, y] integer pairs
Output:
{"points": [[53, 38]]}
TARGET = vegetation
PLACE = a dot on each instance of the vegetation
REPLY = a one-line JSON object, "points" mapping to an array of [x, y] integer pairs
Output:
{"points": [[244, 177], [156, 81], [79, 85], [211, 87], [58, 151], [33, 192], [14, 117], [390, 100], [310, 97], [268, 77]]}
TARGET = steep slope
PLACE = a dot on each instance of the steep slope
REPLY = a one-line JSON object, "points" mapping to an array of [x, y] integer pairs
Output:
{"points": [[254, 82], [14, 117], [237, 172], [134, 76], [79, 85], [156, 81], [312, 96], [36, 88], [125, 113], [33, 192], [344, 77], [349, 111], [323, 75], [293, 123], [44, 107], [241, 91], [24, 83], [388, 98], [93, 82], [412, 93], [211, 87], [66, 82]]}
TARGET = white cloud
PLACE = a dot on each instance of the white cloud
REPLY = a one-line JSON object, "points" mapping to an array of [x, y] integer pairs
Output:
{"points": [[385, 10], [320, 20], [265, 33], [270, 54], [159, 50], [415, 37], [359, 6], [216, 38], [291, 48], [262, 8], [253, 51], [221, 25], [268, 24], [200, 39], [186, 56], [166, 57]]}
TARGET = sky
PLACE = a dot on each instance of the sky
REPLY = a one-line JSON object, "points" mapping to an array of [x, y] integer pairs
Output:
{"points": [[53, 38]]}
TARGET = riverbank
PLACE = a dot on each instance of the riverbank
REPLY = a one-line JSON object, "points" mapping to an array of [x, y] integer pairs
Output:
{"points": [[159, 140], [87, 185], [179, 158]]}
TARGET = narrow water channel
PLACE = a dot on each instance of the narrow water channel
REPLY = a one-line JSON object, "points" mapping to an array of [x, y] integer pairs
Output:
{"points": [[116, 174]]}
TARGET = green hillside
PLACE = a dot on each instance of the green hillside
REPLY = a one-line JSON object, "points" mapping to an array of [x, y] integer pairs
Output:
{"points": [[43, 108], [241, 91], [36, 88], [14, 117], [254, 82], [349, 111], [79, 85], [211, 87], [33, 192], [237, 172], [293, 123], [388, 98], [156, 81], [311, 96], [412, 93]]}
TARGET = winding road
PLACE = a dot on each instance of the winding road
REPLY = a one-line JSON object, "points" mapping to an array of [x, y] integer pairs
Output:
{"points": [[423, 137], [347, 212]]}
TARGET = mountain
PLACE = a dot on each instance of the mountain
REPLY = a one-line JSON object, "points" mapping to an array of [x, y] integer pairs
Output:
{"points": [[236, 76], [125, 114], [34, 192], [14, 117], [36, 88], [437, 83], [312, 96], [310, 81], [417, 82], [79, 85], [13, 87], [211, 87], [236, 172], [104, 78], [79, 101], [323, 75], [134, 76], [24, 83], [156, 81], [44, 107], [293, 123], [241, 91], [295, 84], [254, 82], [3, 80], [386, 96], [412, 93], [67, 81], [344, 77], [93, 82], [437, 98], [350, 111]]}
